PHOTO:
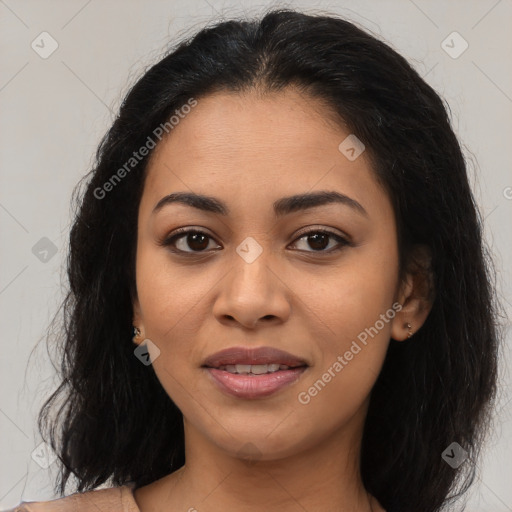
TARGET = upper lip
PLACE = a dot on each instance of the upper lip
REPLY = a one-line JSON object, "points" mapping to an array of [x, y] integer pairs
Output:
{"points": [[259, 355]]}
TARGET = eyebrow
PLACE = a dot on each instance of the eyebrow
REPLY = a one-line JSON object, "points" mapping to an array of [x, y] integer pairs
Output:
{"points": [[283, 206]]}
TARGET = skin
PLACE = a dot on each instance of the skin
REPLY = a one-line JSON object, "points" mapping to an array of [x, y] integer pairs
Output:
{"points": [[250, 150]]}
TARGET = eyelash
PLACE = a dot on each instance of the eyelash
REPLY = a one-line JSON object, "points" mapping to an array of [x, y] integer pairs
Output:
{"points": [[182, 232]]}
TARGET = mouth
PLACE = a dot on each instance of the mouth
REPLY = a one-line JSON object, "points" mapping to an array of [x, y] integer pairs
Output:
{"points": [[254, 373], [255, 369], [253, 360]]}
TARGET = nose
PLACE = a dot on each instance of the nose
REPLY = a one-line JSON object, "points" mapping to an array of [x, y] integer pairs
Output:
{"points": [[252, 292]]}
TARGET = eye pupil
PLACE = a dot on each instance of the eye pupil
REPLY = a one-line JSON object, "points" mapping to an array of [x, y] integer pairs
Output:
{"points": [[193, 237], [316, 244]]}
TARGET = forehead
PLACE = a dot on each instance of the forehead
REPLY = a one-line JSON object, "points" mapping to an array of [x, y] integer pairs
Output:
{"points": [[248, 124], [248, 147]]}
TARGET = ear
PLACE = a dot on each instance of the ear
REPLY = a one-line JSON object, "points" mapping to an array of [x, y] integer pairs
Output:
{"points": [[415, 293], [137, 322]]}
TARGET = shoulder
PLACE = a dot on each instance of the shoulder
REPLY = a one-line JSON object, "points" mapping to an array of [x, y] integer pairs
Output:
{"points": [[114, 499]]}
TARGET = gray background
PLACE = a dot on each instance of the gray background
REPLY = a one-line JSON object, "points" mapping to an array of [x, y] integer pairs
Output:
{"points": [[55, 110]]}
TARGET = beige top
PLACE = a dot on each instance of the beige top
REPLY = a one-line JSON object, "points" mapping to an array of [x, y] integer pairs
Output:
{"points": [[114, 499]]}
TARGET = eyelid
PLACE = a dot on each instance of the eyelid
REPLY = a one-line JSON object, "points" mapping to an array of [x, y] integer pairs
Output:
{"points": [[180, 232], [314, 228]]}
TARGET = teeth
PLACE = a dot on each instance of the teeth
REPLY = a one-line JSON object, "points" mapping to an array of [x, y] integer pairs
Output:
{"points": [[253, 369], [257, 369], [243, 368]]}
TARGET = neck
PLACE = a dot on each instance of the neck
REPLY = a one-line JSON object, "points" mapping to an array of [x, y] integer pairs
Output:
{"points": [[311, 479]]}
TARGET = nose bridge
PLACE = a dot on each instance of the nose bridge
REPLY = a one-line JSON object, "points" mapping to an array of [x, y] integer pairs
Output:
{"points": [[251, 269], [251, 290]]}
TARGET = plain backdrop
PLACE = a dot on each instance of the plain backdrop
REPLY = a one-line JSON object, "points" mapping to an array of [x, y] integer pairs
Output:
{"points": [[55, 108]]}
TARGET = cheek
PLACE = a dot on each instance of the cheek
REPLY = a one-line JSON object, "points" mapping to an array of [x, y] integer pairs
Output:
{"points": [[356, 292], [353, 348], [168, 292], [173, 302], [351, 315]]}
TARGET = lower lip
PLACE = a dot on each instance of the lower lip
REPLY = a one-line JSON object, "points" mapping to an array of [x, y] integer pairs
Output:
{"points": [[254, 386]]}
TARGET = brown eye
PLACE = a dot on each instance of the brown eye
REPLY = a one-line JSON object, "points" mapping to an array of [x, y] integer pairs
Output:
{"points": [[188, 241], [318, 240], [197, 241], [193, 241]]}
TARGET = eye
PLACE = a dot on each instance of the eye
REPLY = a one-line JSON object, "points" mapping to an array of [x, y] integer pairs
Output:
{"points": [[197, 240], [318, 240]]}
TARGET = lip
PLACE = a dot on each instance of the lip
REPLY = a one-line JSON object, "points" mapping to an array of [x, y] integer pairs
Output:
{"points": [[257, 355], [253, 386], [257, 386]]}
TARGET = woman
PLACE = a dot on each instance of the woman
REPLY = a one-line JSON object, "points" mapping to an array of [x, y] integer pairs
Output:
{"points": [[280, 296]]}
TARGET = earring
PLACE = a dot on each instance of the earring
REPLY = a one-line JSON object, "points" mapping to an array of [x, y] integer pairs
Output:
{"points": [[136, 333], [409, 327]]}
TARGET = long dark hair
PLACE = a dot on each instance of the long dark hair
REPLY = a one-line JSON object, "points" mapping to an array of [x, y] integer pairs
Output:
{"points": [[117, 424]]}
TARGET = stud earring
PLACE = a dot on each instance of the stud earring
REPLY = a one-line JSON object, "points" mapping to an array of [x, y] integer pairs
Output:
{"points": [[136, 333], [409, 327]]}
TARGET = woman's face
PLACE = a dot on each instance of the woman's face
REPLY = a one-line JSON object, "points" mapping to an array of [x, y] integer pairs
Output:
{"points": [[254, 278]]}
